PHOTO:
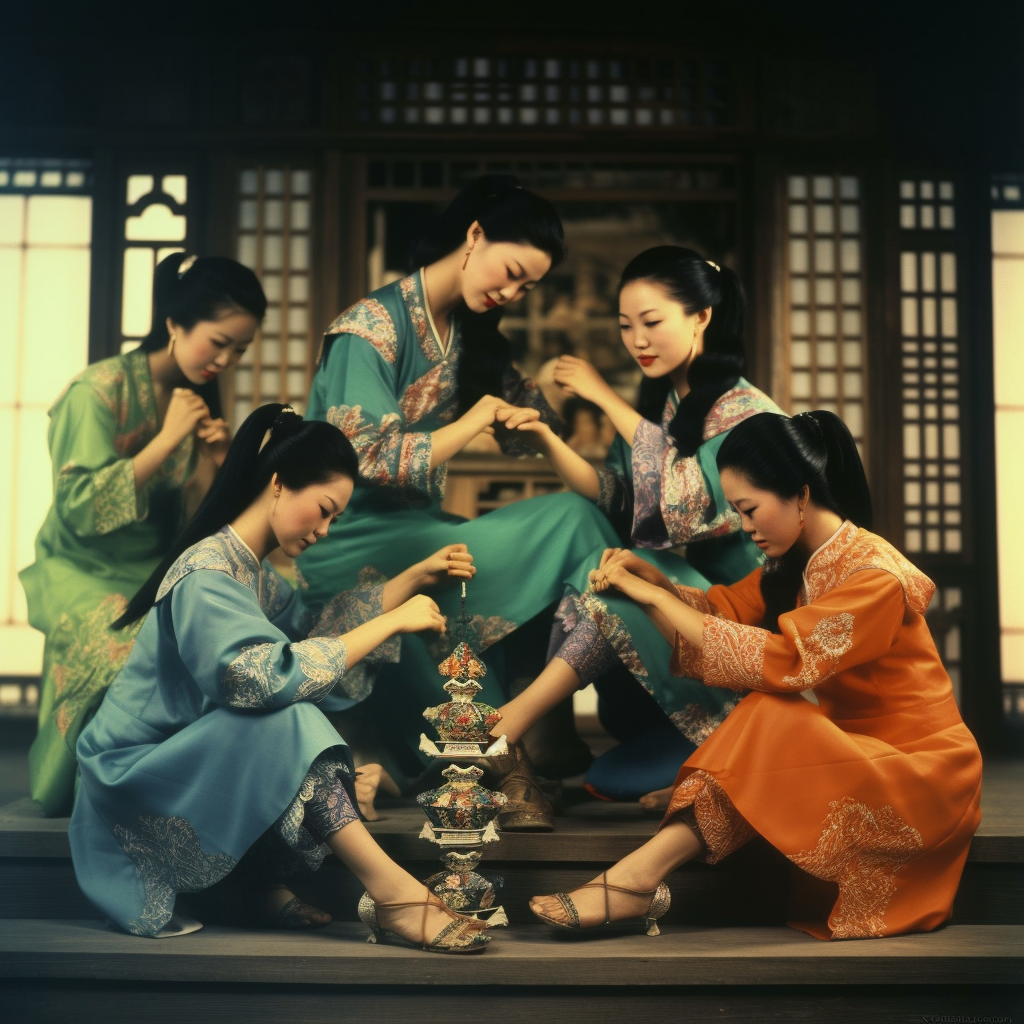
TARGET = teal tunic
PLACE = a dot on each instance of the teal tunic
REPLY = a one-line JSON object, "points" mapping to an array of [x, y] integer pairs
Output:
{"points": [[387, 381], [101, 539], [205, 738], [678, 520]]}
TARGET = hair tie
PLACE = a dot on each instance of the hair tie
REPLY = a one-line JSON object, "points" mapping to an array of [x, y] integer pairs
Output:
{"points": [[712, 263], [283, 418], [186, 265]]}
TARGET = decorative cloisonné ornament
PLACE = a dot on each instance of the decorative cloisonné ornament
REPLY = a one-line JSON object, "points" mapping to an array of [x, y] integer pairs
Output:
{"points": [[461, 805], [464, 890]]}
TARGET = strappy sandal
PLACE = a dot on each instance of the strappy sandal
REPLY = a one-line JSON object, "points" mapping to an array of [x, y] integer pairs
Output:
{"points": [[661, 900], [462, 935]]}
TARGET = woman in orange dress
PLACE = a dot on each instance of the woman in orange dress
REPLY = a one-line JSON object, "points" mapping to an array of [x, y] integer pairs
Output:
{"points": [[872, 787]]}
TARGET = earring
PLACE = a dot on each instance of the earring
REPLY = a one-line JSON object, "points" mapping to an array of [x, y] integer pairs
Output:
{"points": [[801, 519], [170, 346], [466, 260]]}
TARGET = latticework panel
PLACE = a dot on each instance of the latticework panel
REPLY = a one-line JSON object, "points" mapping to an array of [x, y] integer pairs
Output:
{"points": [[933, 504], [275, 218], [826, 297]]}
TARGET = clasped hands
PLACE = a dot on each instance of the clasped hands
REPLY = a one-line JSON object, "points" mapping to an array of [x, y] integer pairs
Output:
{"points": [[628, 573]]}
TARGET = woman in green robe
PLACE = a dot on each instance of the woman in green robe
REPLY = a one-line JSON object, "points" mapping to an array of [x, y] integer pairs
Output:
{"points": [[135, 441], [412, 374]]}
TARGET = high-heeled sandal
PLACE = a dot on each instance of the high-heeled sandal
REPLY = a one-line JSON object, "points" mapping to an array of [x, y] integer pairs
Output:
{"points": [[462, 935], [661, 900]]}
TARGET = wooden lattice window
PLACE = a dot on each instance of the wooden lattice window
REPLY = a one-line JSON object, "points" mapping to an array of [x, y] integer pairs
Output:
{"points": [[46, 211], [933, 504], [155, 224], [826, 328], [537, 92], [275, 218]]}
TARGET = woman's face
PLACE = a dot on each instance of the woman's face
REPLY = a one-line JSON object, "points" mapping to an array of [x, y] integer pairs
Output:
{"points": [[212, 346], [299, 518], [658, 332], [772, 522], [498, 273]]}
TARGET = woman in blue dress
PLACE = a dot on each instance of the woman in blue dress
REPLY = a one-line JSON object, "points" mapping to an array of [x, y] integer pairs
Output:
{"points": [[209, 747], [681, 319], [412, 374]]}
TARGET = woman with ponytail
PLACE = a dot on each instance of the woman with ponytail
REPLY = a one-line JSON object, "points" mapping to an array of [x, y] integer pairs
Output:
{"points": [[412, 374], [681, 319], [135, 441], [872, 788], [209, 752]]}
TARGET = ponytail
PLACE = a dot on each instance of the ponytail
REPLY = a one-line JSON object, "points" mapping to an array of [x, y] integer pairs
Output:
{"points": [[301, 452], [188, 289]]}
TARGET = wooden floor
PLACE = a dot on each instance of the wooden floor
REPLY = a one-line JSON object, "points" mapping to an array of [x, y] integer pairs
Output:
{"points": [[723, 955]]}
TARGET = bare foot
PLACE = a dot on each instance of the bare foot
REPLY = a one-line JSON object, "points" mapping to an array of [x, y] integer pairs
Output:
{"points": [[658, 800], [369, 779], [283, 909], [594, 905]]}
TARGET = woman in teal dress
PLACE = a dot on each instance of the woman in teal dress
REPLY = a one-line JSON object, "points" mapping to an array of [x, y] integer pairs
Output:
{"points": [[681, 318], [209, 748], [135, 441], [412, 374]]}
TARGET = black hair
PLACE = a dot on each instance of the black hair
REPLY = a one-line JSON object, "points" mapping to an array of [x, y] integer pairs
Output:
{"points": [[695, 284], [506, 212], [783, 455], [208, 288], [301, 452]]}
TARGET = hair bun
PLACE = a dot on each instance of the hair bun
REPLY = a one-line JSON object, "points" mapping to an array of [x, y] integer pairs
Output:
{"points": [[286, 421]]}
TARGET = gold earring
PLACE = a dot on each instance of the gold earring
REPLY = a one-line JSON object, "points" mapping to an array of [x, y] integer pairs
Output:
{"points": [[170, 346], [801, 519], [466, 260]]}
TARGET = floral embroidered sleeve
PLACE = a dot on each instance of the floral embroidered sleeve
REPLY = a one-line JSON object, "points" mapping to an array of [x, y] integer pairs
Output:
{"points": [[237, 656], [677, 499], [364, 404], [94, 485], [352, 608], [853, 624]]}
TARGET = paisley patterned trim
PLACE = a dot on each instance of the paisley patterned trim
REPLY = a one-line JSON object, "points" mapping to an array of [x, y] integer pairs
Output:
{"points": [[253, 679], [733, 654], [821, 651], [614, 631], [697, 723], [223, 553], [116, 502], [862, 849], [736, 405], [369, 319], [168, 855], [412, 292], [431, 391], [722, 828], [852, 549], [608, 490]]}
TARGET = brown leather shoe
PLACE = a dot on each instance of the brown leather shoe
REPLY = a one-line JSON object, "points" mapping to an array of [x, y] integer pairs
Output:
{"points": [[528, 809]]}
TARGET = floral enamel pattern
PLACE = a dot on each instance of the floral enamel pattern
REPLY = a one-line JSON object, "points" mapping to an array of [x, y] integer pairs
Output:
{"points": [[169, 858], [862, 850], [821, 651], [369, 320]]}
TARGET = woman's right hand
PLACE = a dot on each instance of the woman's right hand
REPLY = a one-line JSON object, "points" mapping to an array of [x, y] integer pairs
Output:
{"points": [[637, 566], [185, 412], [576, 376], [419, 613], [484, 414]]}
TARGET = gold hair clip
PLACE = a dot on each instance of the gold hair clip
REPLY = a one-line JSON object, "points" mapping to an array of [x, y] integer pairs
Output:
{"points": [[712, 263], [186, 265]]}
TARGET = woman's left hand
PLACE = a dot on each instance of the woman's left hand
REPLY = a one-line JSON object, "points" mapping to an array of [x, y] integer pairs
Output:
{"points": [[215, 434], [615, 574], [452, 562]]}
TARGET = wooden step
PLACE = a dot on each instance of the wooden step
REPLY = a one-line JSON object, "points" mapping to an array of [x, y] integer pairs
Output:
{"points": [[83, 971]]}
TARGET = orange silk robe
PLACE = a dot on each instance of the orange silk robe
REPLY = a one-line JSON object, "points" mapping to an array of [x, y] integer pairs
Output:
{"points": [[875, 791]]}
